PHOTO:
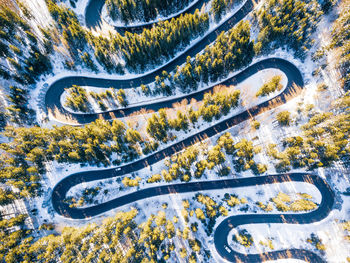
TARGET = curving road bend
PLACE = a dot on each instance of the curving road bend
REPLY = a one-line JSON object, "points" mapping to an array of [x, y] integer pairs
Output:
{"points": [[93, 16], [52, 99], [294, 85], [325, 207], [54, 92], [223, 229]]}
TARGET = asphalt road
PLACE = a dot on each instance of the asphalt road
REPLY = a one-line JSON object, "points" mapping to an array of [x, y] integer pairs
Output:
{"points": [[223, 229], [323, 210], [295, 84], [94, 9], [54, 92], [53, 103]]}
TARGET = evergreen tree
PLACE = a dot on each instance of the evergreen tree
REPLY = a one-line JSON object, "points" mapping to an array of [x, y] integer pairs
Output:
{"points": [[143, 10], [288, 22], [341, 44]]}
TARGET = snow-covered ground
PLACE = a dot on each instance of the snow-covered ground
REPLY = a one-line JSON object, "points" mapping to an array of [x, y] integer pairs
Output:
{"points": [[135, 97], [248, 90], [328, 229], [118, 23], [59, 71], [41, 14], [252, 194], [269, 132], [80, 7], [116, 189]]}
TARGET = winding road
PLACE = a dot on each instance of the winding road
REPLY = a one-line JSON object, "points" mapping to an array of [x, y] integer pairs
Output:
{"points": [[53, 102], [52, 97], [323, 210], [93, 16], [294, 86], [222, 230]]}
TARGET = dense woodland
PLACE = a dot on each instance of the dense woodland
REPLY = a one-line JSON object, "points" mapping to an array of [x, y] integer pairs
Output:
{"points": [[230, 52], [288, 23], [162, 41], [214, 106], [2, 120], [23, 48], [150, 47], [220, 7], [31, 148], [18, 110], [341, 42], [117, 239], [129, 11], [235, 49], [25, 55]]}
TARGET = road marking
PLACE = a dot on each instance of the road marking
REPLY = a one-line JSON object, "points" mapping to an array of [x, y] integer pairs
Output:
{"points": [[227, 249]]}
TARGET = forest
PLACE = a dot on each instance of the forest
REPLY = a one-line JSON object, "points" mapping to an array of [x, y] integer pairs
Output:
{"points": [[231, 51], [15, 36], [236, 49], [270, 86], [160, 42], [30, 148], [150, 47], [129, 11], [195, 160], [26, 149], [214, 106], [288, 23], [341, 42], [324, 140], [117, 239]]}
